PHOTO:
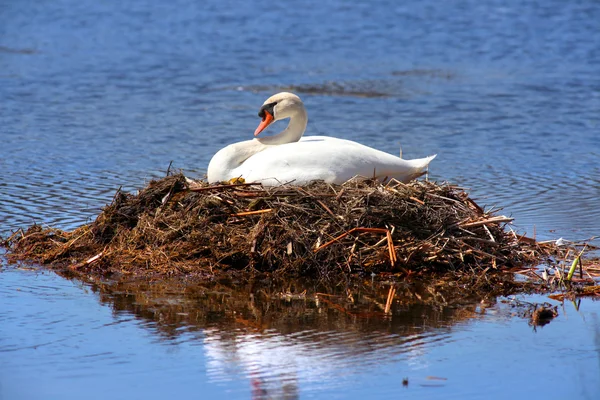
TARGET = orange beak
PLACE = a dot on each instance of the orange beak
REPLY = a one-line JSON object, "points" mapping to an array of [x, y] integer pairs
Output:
{"points": [[264, 123]]}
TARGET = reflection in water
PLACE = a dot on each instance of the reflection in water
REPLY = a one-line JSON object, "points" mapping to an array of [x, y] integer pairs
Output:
{"points": [[232, 339], [278, 335]]}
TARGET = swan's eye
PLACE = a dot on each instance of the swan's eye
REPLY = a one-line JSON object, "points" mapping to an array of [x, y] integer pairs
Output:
{"points": [[267, 107]]}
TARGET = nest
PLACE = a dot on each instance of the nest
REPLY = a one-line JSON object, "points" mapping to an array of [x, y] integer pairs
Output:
{"points": [[180, 227]]}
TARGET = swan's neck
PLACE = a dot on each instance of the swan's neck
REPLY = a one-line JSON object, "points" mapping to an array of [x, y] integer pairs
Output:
{"points": [[224, 165], [292, 133]]}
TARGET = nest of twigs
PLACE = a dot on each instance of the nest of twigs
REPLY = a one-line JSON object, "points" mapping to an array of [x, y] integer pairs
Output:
{"points": [[178, 227]]}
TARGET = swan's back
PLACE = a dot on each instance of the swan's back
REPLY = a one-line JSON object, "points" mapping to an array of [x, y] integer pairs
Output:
{"points": [[325, 158]]}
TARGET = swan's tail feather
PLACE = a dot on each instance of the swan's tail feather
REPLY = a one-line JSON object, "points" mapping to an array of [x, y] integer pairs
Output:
{"points": [[419, 167]]}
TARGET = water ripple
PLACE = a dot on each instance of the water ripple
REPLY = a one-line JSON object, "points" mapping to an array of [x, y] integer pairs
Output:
{"points": [[99, 95], [557, 204]]}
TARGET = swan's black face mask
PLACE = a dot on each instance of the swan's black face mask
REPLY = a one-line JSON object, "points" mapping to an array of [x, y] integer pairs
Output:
{"points": [[267, 107], [266, 114]]}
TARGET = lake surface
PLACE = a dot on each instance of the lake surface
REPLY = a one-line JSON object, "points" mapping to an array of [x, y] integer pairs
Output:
{"points": [[100, 95]]}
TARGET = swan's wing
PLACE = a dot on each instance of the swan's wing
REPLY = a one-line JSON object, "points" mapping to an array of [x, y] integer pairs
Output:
{"points": [[325, 158]]}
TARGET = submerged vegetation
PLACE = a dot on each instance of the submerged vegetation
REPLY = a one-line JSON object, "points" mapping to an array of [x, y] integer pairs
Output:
{"points": [[179, 227]]}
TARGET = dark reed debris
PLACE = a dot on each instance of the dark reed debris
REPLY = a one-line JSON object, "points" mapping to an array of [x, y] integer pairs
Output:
{"points": [[178, 227]]}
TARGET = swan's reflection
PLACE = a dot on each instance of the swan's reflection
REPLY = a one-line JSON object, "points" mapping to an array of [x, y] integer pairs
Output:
{"points": [[276, 363], [279, 340]]}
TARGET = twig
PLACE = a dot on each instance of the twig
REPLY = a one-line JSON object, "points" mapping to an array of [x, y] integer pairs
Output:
{"points": [[116, 194], [88, 261], [421, 202], [241, 193], [493, 220], [475, 205], [489, 233], [326, 208], [245, 213], [490, 242], [391, 250], [219, 187], [524, 239], [444, 198], [390, 300], [385, 239]]}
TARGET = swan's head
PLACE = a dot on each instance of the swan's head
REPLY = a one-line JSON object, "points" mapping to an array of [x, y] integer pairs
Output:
{"points": [[279, 106]]}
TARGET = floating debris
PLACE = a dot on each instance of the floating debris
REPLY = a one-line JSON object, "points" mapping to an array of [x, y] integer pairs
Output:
{"points": [[367, 89], [543, 315]]}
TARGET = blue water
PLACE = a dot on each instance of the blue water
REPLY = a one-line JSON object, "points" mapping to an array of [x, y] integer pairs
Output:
{"points": [[98, 95]]}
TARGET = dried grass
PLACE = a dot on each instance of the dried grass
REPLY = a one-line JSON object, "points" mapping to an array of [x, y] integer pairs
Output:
{"points": [[177, 227]]}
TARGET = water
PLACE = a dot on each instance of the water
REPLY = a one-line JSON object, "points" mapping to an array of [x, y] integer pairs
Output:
{"points": [[63, 339], [99, 96]]}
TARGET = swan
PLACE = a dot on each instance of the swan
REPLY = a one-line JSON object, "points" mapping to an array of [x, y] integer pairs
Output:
{"points": [[287, 157]]}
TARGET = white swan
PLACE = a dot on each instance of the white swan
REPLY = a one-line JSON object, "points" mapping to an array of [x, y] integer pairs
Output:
{"points": [[290, 158]]}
